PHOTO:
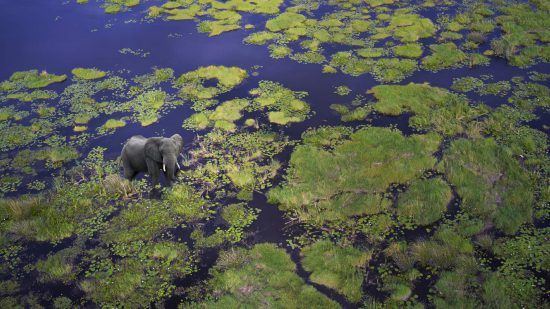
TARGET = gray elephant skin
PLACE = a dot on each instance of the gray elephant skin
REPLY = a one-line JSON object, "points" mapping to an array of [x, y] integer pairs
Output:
{"points": [[150, 155]]}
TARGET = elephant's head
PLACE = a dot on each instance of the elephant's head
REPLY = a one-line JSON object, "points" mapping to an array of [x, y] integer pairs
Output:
{"points": [[166, 151]]}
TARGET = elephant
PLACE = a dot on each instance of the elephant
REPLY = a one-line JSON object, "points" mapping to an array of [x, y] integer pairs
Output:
{"points": [[149, 155]]}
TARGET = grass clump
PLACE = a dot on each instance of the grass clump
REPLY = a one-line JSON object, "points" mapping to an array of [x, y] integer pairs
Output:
{"points": [[466, 84], [446, 250], [412, 50], [238, 217], [242, 161], [33, 79], [217, 27], [279, 51], [370, 52], [408, 27], [490, 182], [524, 40], [192, 87], [143, 275], [366, 164], [260, 38], [57, 267], [283, 105], [112, 8], [359, 113], [227, 77], [339, 268], [393, 69], [57, 215], [285, 21], [159, 75], [147, 105], [350, 64], [433, 108], [444, 56], [342, 90], [261, 276], [113, 124], [424, 202], [32, 96], [88, 74], [223, 117]]}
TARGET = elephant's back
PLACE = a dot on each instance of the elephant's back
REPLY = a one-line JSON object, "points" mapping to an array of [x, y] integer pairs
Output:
{"points": [[134, 143], [133, 152]]}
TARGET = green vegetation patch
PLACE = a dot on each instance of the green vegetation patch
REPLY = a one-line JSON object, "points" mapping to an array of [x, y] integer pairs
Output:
{"points": [[408, 27], [351, 64], [223, 117], [147, 105], [243, 161], [285, 21], [325, 185], [412, 50], [444, 56], [339, 268], [113, 124], [191, 84], [88, 74], [433, 108], [34, 79], [32, 96], [342, 90], [238, 217], [393, 69], [490, 182], [283, 105], [524, 40], [261, 276], [424, 202]]}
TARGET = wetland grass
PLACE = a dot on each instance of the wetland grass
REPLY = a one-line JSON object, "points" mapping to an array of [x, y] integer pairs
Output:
{"points": [[88, 74], [424, 202], [491, 183], [261, 276], [366, 165], [340, 268]]}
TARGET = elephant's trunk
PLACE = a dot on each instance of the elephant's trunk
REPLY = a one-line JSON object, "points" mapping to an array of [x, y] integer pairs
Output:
{"points": [[169, 167]]}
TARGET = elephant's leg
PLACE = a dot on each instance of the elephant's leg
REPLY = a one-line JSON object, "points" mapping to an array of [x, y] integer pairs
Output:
{"points": [[153, 169], [129, 172]]}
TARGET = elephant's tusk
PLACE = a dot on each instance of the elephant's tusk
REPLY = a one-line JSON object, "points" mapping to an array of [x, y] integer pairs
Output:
{"points": [[178, 165], [164, 167]]}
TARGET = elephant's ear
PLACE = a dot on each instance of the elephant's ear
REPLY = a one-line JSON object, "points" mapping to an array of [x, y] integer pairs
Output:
{"points": [[152, 151]]}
